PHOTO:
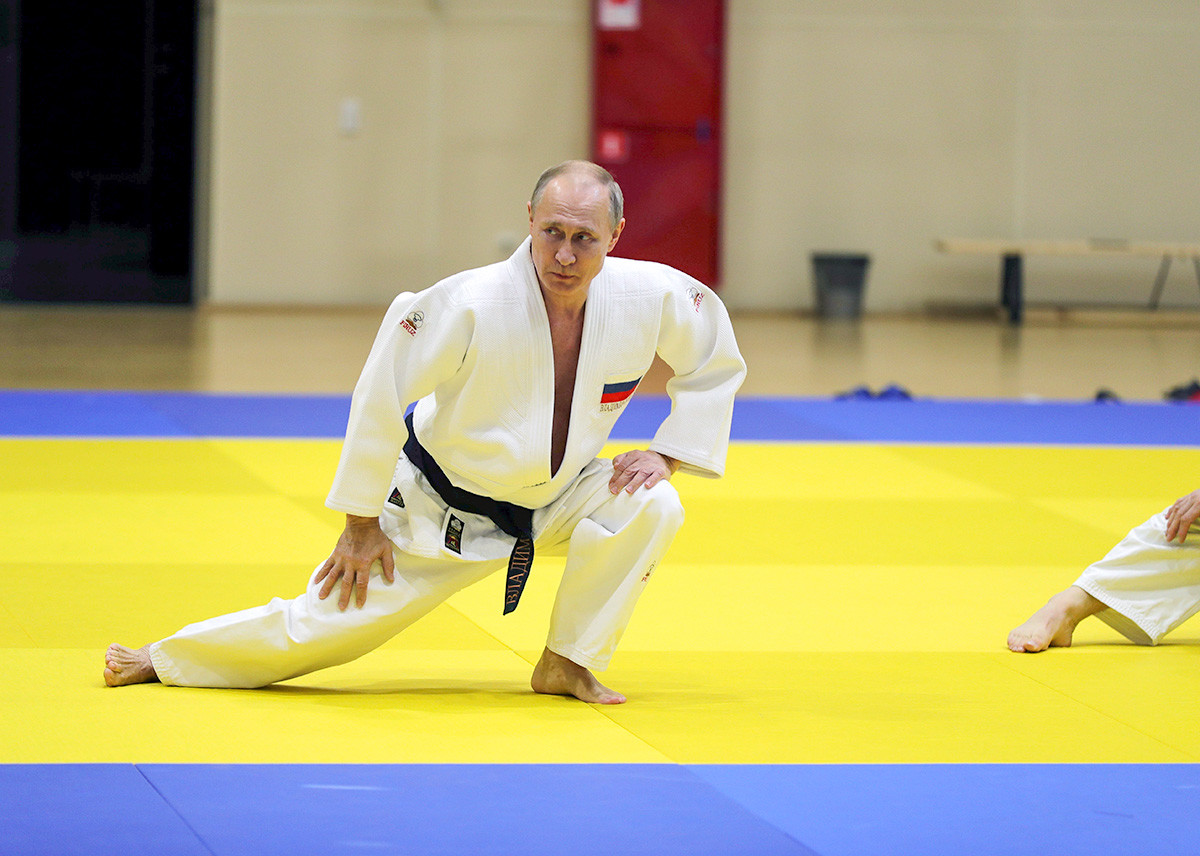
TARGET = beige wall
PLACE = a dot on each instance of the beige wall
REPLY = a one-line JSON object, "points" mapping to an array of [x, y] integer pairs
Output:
{"points": [[460, 107], [857, 125]]}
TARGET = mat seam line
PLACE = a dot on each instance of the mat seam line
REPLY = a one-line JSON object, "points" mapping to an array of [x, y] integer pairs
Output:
{"points": [[690, 768], [1105, 714], [199, 838], [33, 643]]}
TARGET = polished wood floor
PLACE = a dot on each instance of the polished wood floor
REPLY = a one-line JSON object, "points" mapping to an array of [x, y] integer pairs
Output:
{"points": [[1055, 355]]}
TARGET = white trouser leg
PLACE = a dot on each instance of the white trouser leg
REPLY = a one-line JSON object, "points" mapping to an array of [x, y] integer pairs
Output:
{"points": [[610, 555], [612, 544], [1150, 585], [287, 638]]}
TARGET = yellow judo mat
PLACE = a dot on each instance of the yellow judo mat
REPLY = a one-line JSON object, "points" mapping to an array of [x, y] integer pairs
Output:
{"points": [[825, 603]]}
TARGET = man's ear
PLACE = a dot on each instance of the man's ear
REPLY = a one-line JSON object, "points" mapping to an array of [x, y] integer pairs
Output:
{"points": [[616, 235]]}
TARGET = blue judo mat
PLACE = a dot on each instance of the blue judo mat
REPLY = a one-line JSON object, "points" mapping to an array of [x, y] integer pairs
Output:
{"points": [[169, 414], [628, 809]]}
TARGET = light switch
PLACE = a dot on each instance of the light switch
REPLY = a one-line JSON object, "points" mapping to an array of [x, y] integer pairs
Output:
{"points": [[350, 116]]}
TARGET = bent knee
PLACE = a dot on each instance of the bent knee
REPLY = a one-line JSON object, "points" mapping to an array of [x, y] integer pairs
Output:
{"points": [[662, 502]]}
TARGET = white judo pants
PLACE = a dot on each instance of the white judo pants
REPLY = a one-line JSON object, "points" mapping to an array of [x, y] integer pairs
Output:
{"points": [[1149, 585], [612, 543]]}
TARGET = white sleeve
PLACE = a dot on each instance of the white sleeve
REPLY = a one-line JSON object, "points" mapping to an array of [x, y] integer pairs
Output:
{"points": [[421, 343], [696, 340]]}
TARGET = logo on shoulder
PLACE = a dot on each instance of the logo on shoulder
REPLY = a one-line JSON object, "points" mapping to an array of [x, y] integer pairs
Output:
{"points": [[412, 322], [696, 296]]}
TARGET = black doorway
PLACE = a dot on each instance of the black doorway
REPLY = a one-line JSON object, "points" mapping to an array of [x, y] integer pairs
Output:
{"points": [[97, 128]]}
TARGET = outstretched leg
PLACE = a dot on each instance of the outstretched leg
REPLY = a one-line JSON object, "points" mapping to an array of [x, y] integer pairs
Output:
{"points": [[128, 666], [554, 674], [287, 638], [1054, 624]]}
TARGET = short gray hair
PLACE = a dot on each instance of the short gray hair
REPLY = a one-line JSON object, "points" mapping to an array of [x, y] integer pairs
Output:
{"points": [[616, 200]]}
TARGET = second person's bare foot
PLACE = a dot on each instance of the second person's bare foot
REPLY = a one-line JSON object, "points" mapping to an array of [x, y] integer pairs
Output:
{"points": [[1053, 626], [128, 666]]}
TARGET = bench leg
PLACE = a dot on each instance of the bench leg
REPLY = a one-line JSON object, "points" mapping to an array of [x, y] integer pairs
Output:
{"points": [[1010, 287], [1161, 280], [1196, 264]]}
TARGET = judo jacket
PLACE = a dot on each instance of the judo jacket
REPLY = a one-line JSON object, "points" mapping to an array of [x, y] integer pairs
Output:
{"points": [[474, 352]]}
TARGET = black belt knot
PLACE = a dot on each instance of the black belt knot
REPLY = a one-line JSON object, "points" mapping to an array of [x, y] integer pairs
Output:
{"points": [[511, 519]]}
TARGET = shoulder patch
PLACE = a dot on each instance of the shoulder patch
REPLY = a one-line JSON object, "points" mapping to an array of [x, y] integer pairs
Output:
{"points": [[696, 296], [413, 322]]}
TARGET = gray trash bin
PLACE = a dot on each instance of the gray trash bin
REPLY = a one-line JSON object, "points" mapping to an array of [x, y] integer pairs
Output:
{"points": [[839, 280]]}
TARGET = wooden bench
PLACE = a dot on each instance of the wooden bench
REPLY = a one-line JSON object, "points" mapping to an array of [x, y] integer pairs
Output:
{"points": [[1013, 252]]}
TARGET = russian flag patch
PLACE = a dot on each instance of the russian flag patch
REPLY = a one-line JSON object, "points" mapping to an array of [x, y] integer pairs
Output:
{"points": [[615, 393]]}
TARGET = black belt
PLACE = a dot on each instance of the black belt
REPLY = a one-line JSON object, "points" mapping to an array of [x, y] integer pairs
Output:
{"points": [[511, 519]]}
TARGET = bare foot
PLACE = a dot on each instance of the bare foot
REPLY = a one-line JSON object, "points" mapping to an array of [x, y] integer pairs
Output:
{"points": [[556, 675], [128, 666], [1054, 624]]}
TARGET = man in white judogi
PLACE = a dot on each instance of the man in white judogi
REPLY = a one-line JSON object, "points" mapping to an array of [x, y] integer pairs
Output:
{"points": [[519, 371]]}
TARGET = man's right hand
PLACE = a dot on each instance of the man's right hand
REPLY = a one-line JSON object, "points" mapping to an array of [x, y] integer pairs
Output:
{"points": [[1182, 515], [361, 544]]}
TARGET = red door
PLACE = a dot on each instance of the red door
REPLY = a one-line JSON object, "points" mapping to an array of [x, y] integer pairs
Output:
{"points": [[656, 125]]}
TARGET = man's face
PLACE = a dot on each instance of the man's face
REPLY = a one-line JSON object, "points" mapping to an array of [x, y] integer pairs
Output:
{"points": [[572, 233]]}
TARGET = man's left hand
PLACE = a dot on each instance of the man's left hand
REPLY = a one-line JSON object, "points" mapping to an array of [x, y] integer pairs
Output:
{"points": [[639, 468]]}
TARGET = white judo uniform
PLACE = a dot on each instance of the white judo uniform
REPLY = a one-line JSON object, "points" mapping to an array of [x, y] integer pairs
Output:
{"points": [[1149, 585], [474, 352]]}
